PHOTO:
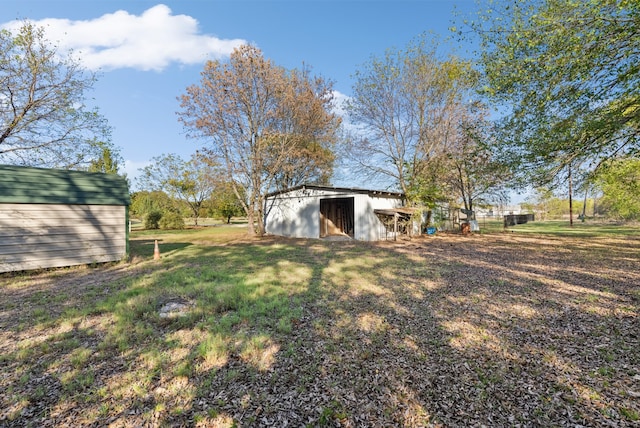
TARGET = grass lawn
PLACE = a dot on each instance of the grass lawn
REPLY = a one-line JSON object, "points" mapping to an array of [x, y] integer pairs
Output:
{"points": [[537, 326], [579, 229]]}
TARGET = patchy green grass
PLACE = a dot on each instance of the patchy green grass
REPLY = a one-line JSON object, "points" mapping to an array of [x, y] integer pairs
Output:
{"points": [[490, 225], [137, 225], [448, 330], [587, 229]]}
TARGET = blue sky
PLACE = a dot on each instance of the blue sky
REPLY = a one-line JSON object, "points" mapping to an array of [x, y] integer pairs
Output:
{"points": [[149, 52]]}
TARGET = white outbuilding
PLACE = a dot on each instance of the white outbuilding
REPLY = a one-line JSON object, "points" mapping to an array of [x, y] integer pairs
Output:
{"points": [[322, 211]]}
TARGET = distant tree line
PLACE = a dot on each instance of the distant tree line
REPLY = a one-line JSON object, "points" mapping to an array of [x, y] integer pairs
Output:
{"points": [[173, 189], [612, 193]]}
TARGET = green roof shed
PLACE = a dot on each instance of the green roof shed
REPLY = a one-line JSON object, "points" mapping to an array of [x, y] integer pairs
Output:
{"points": [[54, 218]]}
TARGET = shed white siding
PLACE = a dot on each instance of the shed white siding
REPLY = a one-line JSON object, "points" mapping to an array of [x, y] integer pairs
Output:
{"points": [[369, 227], [296, 213], [35, 236]]}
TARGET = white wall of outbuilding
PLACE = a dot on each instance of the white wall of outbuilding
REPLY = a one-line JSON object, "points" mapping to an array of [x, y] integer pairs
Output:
{"points": [[296, 213]]}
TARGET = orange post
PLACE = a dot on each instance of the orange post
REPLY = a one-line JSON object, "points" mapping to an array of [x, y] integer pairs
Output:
{"points": [[156, 251]]}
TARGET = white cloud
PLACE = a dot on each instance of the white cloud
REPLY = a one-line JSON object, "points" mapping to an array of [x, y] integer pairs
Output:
{"points": [[151, 41], [338, 103]]}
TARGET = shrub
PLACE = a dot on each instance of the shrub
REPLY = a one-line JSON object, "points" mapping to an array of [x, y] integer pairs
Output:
{"points": [[152, 219], [172, 221]]}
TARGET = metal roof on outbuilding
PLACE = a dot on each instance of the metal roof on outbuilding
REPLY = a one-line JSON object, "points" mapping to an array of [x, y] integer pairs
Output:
{"points": [[351, 190], [29, 185]]}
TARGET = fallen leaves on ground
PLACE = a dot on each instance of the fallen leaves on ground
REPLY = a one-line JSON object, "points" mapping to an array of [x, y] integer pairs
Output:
{"points": [[481, 330]]}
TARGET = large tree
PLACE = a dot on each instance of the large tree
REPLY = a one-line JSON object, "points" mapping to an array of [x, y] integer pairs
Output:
{"points": [[405, 105], [191, 182], [566, 75], [43, 117], [224, 202], [473, 173], [259, 120], [311, 131]]}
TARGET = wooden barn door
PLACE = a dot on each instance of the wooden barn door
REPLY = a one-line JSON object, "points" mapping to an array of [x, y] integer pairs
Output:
{"points": [[336, 217]]}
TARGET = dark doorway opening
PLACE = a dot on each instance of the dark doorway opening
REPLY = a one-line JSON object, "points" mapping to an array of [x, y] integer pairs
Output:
{"points": [[336, 217]]}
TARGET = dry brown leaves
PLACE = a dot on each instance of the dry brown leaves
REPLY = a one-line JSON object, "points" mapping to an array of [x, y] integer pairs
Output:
{"points": [[496, 330]]}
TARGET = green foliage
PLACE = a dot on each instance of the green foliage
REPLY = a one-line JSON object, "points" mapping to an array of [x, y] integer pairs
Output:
{"points": [[225, 204], [109, 162], [171, 220], [546, 205], [619, 181], [152, 220], [190, 182], [143, 202], [567, 73], [426, 187], [44, 120]]}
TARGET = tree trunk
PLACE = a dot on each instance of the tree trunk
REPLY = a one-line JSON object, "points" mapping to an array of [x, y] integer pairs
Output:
{"points": [[251, 231], [260, 231], [570, 198], [261, 228]]}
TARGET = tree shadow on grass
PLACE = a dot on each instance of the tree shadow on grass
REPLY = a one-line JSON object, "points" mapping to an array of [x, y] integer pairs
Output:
{"points": [[145, 247], [330, 333]]}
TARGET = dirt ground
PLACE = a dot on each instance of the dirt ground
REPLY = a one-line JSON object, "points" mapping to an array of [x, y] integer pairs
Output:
{"points": [[481, 330]]}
